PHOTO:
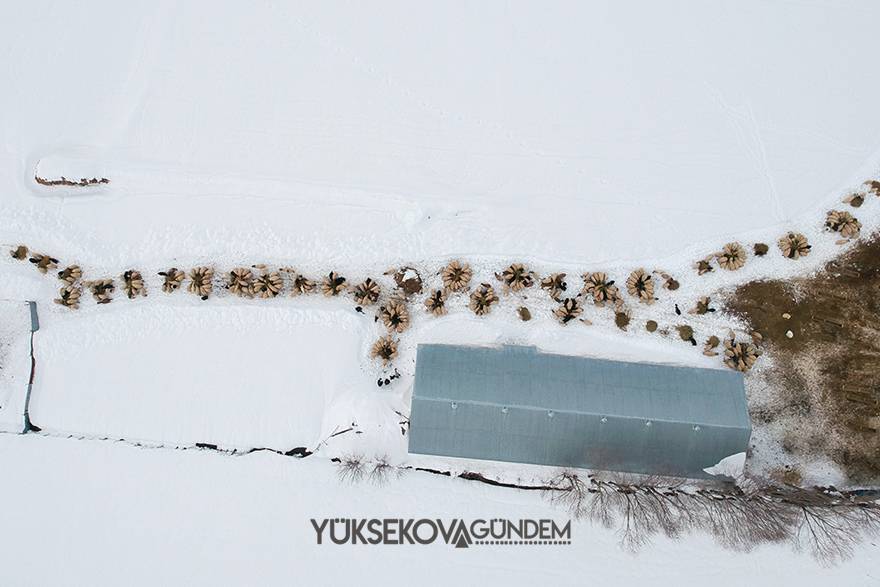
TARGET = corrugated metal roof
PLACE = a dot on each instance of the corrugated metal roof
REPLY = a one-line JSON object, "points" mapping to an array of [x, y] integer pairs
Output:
{"points": [[517, 404]]}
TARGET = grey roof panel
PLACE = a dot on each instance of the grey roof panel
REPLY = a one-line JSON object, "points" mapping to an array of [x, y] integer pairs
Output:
{"points": [[522, 376], [516, 404]]}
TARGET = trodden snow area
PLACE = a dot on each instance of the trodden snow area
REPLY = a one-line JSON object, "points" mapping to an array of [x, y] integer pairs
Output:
{"points": [[183, 187]]}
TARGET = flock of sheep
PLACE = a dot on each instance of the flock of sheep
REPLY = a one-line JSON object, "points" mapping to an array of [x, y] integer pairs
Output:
{"points": [[260, 281]]}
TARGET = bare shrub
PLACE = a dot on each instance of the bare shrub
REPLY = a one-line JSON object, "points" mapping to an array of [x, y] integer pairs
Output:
{"points": [[741, 521], [351, 468], [571, 492], [381, 470], [825, 522]]}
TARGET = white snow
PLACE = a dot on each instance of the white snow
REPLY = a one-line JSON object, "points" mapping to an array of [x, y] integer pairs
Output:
{"points": [[238, 377], [106, 513], [571, 132], [731, 466]]}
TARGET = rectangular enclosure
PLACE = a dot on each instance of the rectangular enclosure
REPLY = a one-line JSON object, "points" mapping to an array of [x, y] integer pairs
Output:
{"points": [[519, 405], [229, 376]]}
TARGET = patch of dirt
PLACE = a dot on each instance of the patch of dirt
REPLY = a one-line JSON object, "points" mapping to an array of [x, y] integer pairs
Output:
{"points": [[824, 333]]}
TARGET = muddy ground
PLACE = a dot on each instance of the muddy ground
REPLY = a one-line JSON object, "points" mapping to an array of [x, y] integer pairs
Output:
{"points": [[823, 335]]}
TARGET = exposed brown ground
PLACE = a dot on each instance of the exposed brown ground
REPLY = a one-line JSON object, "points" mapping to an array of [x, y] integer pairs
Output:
{"points": [[827, 375]]}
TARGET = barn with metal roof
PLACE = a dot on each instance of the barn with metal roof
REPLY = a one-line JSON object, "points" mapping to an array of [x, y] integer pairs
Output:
{"points": [[517, 404]]}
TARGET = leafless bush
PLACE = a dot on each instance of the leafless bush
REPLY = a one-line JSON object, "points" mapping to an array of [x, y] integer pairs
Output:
{"points": [[571, 492], [827, 523], [351, 468], [381, 470], [823, 521]]}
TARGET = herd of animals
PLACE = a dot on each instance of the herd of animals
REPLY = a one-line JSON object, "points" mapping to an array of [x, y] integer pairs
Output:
{"points": [[393, 308]]}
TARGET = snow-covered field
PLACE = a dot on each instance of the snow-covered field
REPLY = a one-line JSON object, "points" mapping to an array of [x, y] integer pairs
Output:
{"points": [[88, 512], [255, 377], [359, 137]]}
